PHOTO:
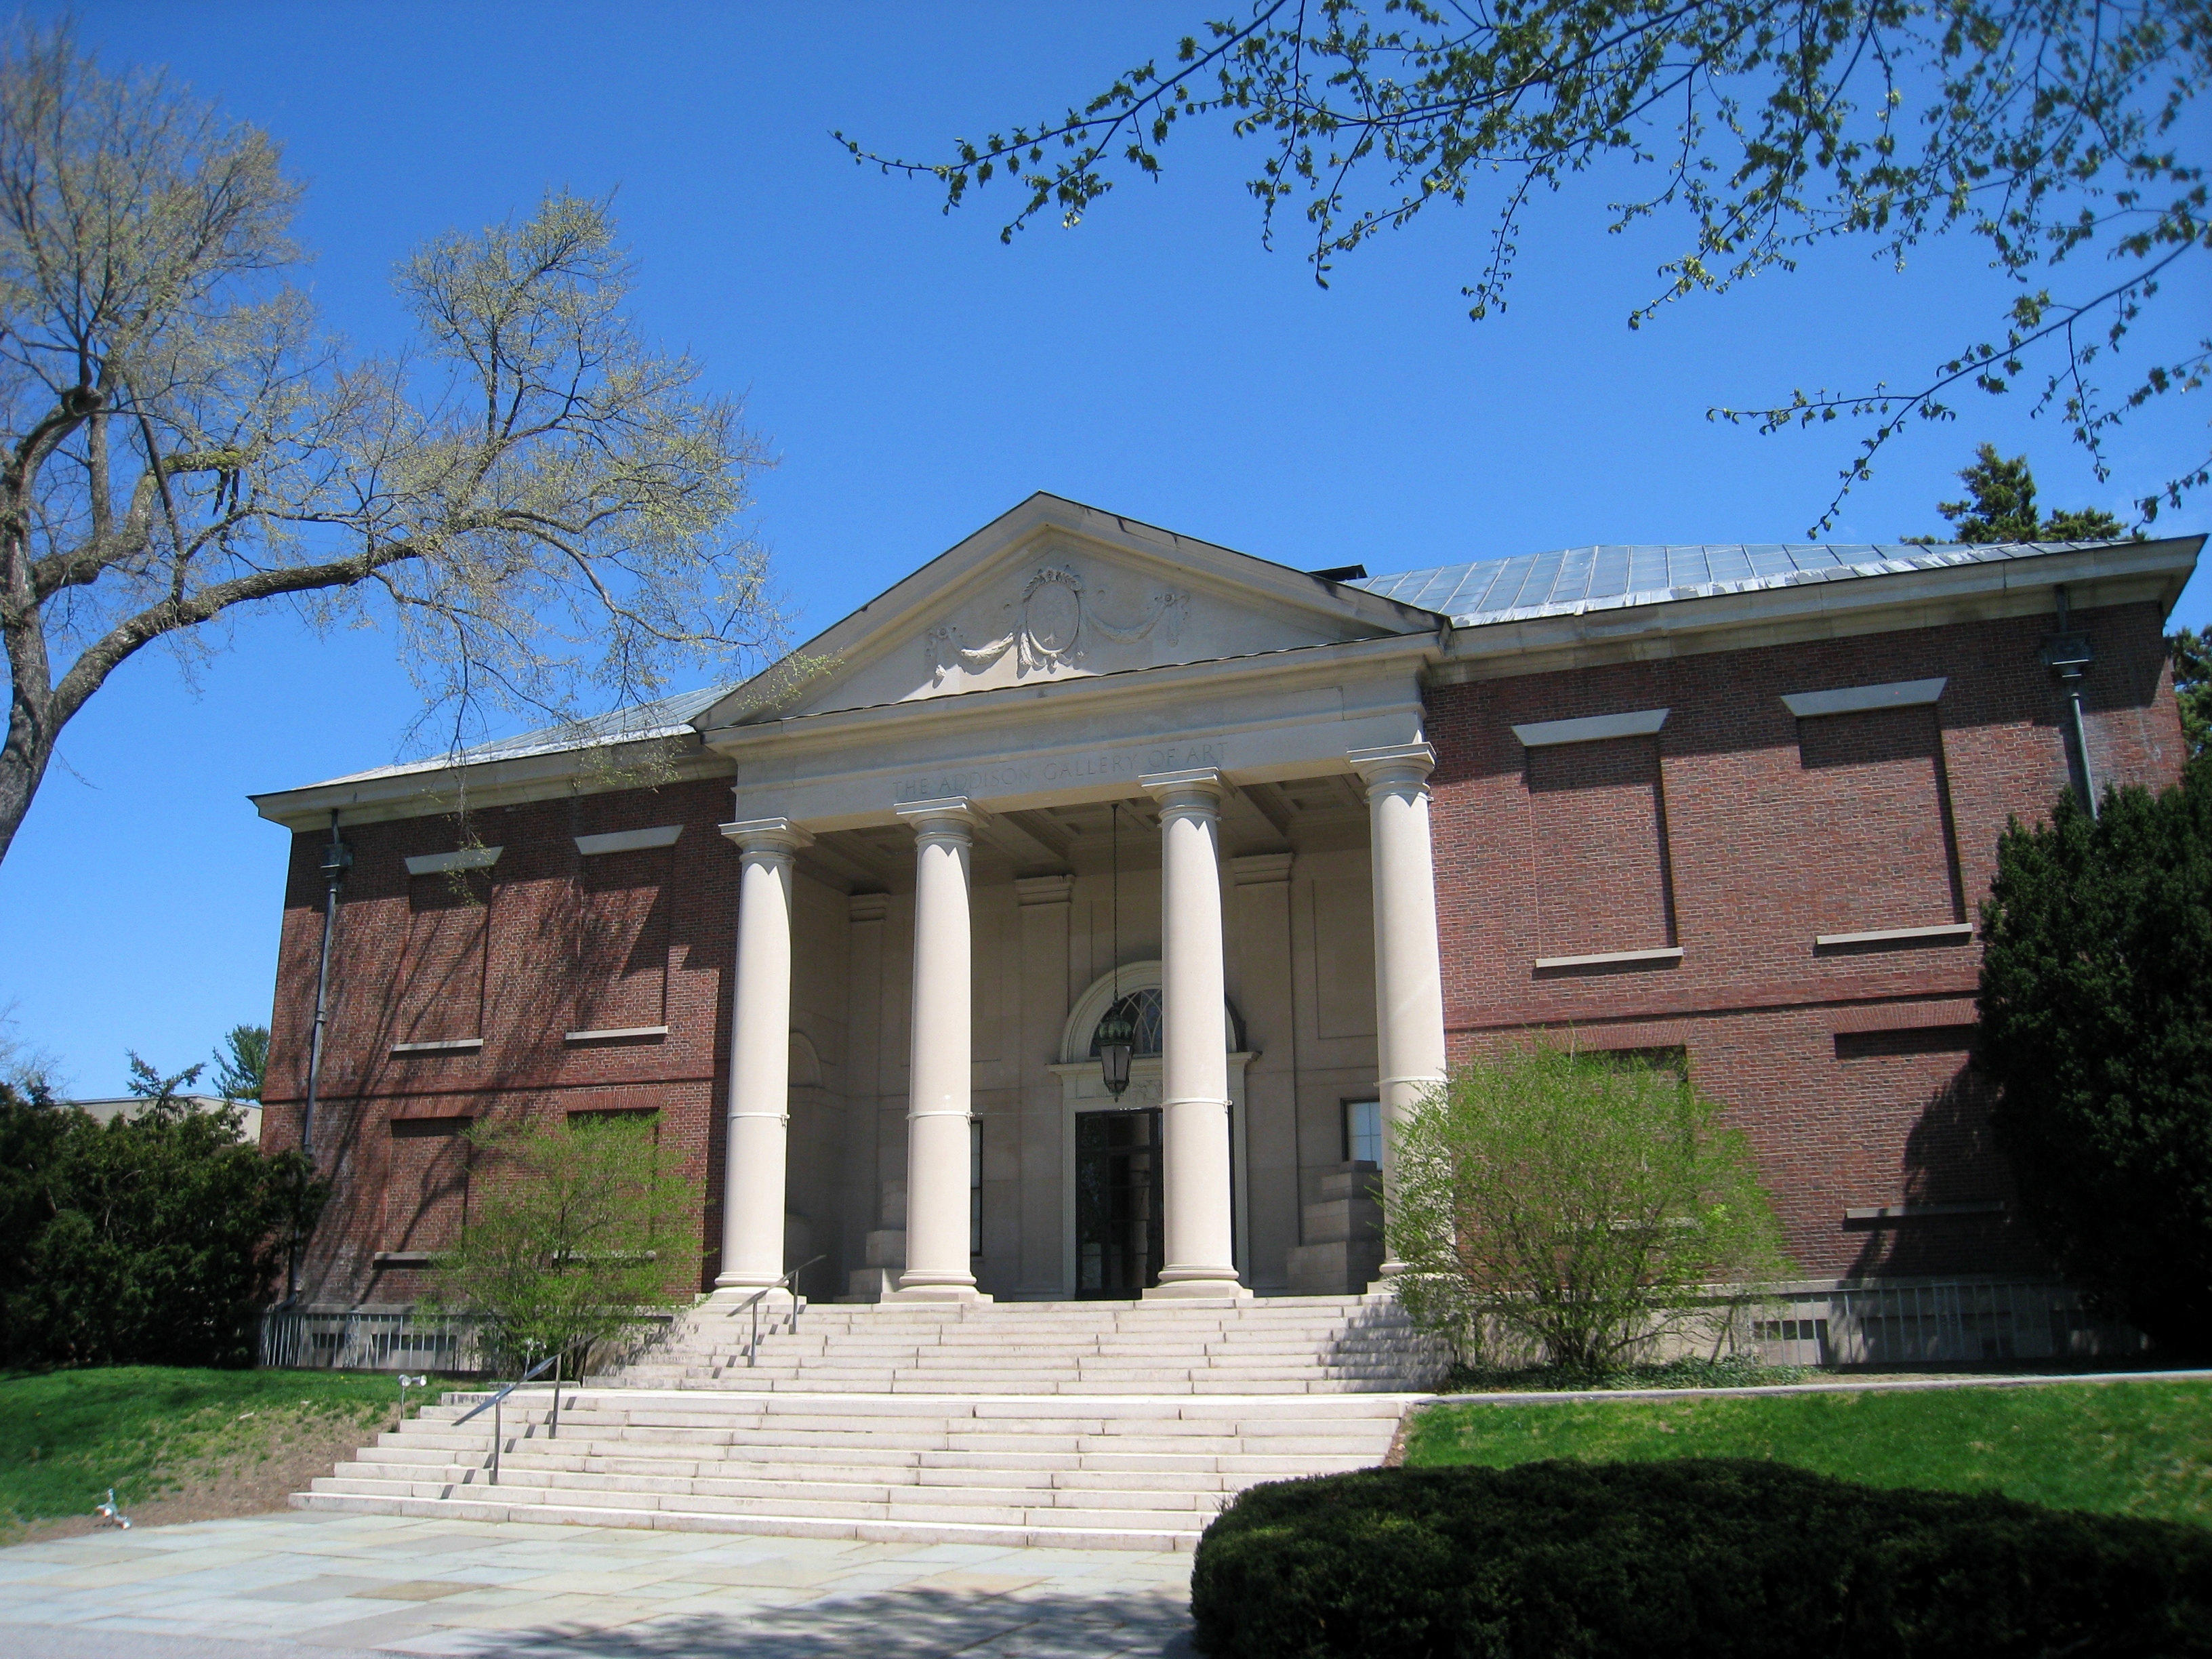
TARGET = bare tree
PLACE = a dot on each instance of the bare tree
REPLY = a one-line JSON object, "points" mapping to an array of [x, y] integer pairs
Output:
{"points": [[540, 503]]}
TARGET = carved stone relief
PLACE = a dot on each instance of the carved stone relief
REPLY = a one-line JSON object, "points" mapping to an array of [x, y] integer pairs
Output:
{"points": [[1053, 616]]}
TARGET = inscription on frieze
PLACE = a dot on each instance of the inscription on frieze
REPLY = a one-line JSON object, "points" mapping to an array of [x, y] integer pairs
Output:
{"points": [[989, 779]]}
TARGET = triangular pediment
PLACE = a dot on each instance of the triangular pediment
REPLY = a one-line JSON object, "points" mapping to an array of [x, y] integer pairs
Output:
{"points": [[1057, 591]]}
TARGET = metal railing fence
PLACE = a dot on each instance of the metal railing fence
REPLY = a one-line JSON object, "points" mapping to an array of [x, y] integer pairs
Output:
{"points": [[1938, 1321], [356, 1341]]}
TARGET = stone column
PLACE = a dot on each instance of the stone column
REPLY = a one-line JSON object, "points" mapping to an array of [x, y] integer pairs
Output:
{"points": [[1260, 959], [1198, 1231], [938, 1107], [867, 1242], [759, 1058], [1409, 993], [1046, 913]]}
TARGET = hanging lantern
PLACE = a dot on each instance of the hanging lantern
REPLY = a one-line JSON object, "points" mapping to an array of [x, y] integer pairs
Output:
{"points": [[1117, 1033]]}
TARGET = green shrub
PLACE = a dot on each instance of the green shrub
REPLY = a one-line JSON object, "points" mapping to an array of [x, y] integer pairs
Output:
{"points": [[1712, 1558], [1576, 1208], [577, 1238]]}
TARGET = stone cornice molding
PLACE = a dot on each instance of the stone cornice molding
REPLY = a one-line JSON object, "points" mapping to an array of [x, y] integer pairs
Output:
{"points": [[1168, 685], [1859, 699], [485, 784], [1591, 728], [1261, 869], [1043, 889], [629, 841], [465, 857]]}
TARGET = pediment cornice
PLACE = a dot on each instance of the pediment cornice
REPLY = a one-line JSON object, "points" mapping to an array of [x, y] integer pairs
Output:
{"points": [[1055, 590]]}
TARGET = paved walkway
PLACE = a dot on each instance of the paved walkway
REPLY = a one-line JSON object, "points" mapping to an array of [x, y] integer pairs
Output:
{"points": [[298, 1586]]}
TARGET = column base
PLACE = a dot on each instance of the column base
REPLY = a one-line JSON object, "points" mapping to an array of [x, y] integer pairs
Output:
{"points": [[1198, 1290], [936, 1294], [774, 1294], [870, 1283]]}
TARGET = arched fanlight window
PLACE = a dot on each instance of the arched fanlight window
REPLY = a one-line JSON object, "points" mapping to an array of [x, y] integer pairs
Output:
{"points": [[1140, 1010]]}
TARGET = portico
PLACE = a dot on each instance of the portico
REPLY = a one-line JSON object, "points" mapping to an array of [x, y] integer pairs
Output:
{"points": [[1170, 776]]}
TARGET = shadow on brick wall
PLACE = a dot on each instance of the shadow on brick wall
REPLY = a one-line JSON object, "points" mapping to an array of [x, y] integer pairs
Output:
{"points": [[1952, 1172]]}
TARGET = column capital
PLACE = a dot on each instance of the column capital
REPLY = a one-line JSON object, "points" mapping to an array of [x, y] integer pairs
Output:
{"points": [[953, 819], [1399, 764], [767, 836], [1202, 789]]}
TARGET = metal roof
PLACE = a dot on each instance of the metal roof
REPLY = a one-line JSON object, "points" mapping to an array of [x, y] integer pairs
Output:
{"points": [[1582, 578], [1566, 583], [667, 717]]}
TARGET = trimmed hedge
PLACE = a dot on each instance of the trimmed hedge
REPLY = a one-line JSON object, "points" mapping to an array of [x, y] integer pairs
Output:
{"points": [[1715, 1557]]}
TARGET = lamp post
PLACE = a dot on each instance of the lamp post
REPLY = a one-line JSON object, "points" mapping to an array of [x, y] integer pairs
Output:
{"points": [[1117, 1031], [2069, 656], [336, 860]]}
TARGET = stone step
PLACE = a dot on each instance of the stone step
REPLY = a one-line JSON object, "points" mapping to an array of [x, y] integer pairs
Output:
{"points": [[858, 1487], [1063, 1533], [1219, 1472], [725, 1414]]}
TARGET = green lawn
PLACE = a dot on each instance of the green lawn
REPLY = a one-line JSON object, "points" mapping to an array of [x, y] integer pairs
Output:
{"points": [[67, 1437], [2125, 1447]]}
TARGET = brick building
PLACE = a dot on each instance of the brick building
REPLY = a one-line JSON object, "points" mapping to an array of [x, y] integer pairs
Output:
{"points": [[1310, 833]]}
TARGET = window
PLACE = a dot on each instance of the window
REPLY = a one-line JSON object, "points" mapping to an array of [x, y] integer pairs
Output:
{"points": [[975, 1186], [1598, 828], [619, 955], [1362, 1132], [1875, 797], [1142, 1009], [439, 980]]}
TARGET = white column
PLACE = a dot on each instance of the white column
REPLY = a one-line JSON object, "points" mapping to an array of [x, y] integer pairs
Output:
{"points": [[1199, 1239], [1409, 992], [938, 1106], [760, 1057]]}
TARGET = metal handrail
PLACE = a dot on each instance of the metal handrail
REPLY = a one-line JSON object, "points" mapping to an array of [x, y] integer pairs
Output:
{"points": [[492, 1406], [789, 1283]]}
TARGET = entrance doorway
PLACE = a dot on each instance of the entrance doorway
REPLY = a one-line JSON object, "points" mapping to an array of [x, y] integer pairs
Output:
{"points": [[1117, 1202]]}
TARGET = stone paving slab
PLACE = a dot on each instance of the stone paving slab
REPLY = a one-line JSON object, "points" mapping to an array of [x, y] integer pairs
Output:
{"points": [[304, 1584]]}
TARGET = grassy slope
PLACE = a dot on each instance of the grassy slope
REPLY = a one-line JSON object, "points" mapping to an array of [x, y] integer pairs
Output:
{"points": [[66, 1437], [2126, 1447]]}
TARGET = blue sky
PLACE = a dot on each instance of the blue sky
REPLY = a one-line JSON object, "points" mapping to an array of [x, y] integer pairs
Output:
{"points": [[916, 378]]}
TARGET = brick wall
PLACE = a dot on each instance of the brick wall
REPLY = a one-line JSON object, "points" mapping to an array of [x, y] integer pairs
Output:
{"points": [[1845, 1064], [544, 943], [1738, 834]]}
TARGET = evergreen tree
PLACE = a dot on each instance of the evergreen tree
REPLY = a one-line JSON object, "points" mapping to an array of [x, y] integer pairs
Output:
{"points": [[2000, 507], [241, 1065], [151, 1240], [2096, 1025], [2191, 651]]}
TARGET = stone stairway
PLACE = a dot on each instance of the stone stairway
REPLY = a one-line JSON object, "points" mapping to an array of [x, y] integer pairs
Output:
{"points": [[1086, 1426], [1276, 1345]]}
